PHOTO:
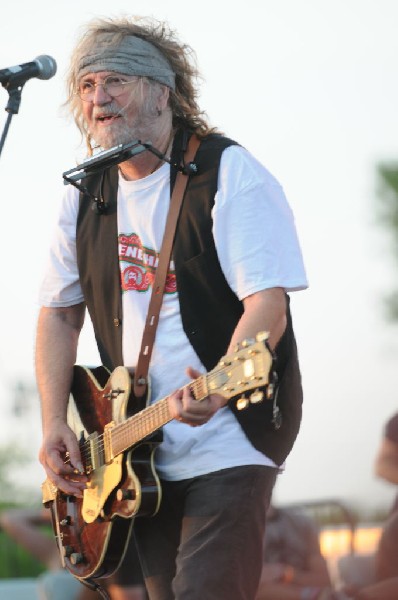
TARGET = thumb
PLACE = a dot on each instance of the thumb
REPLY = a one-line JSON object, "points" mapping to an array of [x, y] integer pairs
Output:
{"points": [[193, 373]]}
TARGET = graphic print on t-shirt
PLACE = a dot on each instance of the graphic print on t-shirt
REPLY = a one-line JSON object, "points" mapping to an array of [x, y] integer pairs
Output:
{"points": [[138, 265]]}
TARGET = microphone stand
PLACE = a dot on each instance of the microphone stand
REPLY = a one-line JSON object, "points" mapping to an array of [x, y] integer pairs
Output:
{"points": [[111, 157], [14, 101]]}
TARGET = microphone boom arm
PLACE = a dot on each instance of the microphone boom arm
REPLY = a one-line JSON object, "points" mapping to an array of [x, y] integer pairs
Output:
{"points": [[111, 157], [102, 160]]}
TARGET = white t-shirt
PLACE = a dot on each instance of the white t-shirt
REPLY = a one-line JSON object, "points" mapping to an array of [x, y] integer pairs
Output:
{"points": [[257, 245]]}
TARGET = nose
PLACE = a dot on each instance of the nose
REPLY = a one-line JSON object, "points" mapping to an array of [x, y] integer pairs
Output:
{"points": [[100, 95]]}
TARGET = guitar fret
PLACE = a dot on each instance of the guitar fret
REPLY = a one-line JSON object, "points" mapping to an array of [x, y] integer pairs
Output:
{"points": [[231, 376], [199, 388], [139, 426]]}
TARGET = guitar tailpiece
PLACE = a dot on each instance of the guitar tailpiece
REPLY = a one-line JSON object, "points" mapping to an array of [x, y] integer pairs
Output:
{"points": [[113, 394]]}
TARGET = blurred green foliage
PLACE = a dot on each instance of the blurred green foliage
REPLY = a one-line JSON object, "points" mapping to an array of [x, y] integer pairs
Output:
{"points": [[387, 214], [13, 459], [14, 560]]}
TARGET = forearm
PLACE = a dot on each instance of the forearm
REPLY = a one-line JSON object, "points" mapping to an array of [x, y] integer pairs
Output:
{"points": [[56, 346], [13, 519], [384, 590], [281, 581], [23, 526], [263, 311], [315, 577]]}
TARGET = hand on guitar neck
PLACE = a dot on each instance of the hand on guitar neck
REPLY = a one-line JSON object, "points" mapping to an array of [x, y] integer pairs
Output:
{"points": [[61, 454], [184, 407], [68, 473]]}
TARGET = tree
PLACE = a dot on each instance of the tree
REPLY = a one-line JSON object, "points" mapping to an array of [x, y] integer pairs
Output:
{"points": [[11, 458], [388, 216]]}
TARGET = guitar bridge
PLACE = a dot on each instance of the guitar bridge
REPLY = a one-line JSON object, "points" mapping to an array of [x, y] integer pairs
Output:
{"points": [[113, 394]]}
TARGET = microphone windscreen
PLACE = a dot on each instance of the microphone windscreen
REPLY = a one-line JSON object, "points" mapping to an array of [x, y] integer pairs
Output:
{"points": [[47, 66]]}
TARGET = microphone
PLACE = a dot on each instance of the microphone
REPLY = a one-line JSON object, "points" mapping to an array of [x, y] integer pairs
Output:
{"points": [[102, 160], [43, 67]]}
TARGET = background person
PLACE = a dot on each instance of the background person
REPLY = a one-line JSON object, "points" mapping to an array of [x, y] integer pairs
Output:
{"points": [[386, 463], [26, 526], [294, 568], [385, 581], [375, 577]]}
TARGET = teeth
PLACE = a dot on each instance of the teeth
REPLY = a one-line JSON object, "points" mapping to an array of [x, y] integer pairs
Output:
{"points": [[103, 118]]}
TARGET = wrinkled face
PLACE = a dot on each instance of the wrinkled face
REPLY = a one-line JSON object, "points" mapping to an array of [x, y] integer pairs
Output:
{"points": [[120, 108]]}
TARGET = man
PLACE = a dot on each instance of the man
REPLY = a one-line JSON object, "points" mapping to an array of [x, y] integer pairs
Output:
{"points": [[235, 256]]}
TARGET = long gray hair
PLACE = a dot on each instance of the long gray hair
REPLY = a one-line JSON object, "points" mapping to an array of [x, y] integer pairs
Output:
{"points": [[181, 57]]}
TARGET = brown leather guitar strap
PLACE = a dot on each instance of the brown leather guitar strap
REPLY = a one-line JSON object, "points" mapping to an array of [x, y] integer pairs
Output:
{"points": [[148, 337]]}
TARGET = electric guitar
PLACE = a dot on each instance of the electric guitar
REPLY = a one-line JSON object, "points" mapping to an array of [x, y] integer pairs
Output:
{"points": [[117, 445]]}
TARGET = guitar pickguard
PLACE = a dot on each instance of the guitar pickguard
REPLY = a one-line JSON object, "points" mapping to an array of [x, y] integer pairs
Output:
{"points": [[102, 482]]}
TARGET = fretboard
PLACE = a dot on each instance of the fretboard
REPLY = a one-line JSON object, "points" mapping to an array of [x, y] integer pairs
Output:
{"points": [[149, 420]]}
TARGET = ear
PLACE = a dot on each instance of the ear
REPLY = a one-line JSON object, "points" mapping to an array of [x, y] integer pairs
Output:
{"points": [[163, 98]]}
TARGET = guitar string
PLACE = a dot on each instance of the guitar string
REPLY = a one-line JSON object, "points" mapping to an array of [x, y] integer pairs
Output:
{"points": [[141, 419], [98, 445], [145, 426], [144, 421]]}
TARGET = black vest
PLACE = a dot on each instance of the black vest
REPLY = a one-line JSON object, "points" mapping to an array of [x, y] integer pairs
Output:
{"points": [[209, 308]]}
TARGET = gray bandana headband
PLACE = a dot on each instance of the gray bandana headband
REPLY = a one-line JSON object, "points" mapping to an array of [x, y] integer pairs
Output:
{"points": [[132, 56]]}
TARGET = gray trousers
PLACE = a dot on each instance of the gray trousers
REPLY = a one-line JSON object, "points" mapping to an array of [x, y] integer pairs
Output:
{"points": [[206, 541]]}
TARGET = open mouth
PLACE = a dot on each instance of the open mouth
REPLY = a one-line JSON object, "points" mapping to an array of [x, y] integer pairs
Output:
{"points": [[107, 118]]}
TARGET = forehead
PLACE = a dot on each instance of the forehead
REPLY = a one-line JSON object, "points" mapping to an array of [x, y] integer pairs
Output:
{"points": [[101, 75]]}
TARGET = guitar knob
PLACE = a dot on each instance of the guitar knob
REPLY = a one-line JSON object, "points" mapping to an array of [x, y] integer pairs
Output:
{"points": [[270, 391], [247, 342], [76, 558], [242, 403], [262, 336], [67, 551], [256, 397], [65, 521], [125, 494]]}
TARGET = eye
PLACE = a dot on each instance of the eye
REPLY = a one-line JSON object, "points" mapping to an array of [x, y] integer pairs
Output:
{"points": [[114, 80], [85, 87]]}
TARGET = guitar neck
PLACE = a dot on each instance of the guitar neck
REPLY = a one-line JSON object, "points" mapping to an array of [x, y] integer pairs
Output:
{"points": [[247, 369], [149, 420]]}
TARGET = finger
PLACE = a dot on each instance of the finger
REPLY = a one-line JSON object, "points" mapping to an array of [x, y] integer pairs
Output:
{"points": [[73, 452], [59, 462], [61, 472], [76, 462], [193, 373], [175, 406], [194, 419], [66, 484]]}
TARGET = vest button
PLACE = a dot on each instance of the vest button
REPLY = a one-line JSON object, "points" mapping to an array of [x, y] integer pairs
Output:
{"points": [[116, 322]]}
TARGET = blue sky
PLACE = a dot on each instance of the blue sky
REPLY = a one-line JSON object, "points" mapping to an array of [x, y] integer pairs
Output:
{"points": [[311, 89]]}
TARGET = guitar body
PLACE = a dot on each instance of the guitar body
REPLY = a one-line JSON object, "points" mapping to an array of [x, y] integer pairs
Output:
{"points": [[118, 436], [92, 532]]}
